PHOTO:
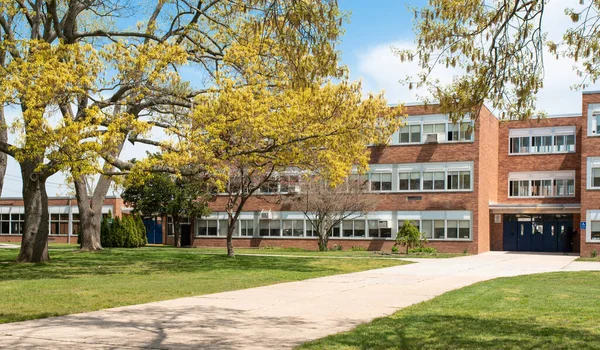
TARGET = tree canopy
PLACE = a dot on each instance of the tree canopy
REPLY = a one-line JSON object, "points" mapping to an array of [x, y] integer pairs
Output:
{"points": [[499, 48]]}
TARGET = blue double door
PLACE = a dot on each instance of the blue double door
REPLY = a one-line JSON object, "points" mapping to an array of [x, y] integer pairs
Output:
{"points": [[538, 233], [154, 230]]}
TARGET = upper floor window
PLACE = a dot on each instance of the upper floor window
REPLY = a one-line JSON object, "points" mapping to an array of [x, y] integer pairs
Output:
{"points": [[409, 181], [459, 180], [381, 182], [542, 184], [593, 113], [418, 127], [452, 176], [542, 140], [593, 173], [410, 134]]}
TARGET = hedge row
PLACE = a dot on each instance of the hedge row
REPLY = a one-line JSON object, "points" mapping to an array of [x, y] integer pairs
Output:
{"points": [[126, 232]]}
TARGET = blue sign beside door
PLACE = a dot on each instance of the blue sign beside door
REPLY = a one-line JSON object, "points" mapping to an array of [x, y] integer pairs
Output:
{"points": [[582, 225]]}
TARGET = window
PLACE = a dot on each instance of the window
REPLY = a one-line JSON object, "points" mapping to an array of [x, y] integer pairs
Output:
{"points": [[438, 229], [595, 230], [452, 229], [449, 229], [59, 224], [381, 182], [464, 230], [427, 229], [434, 129], [564, 188], [519, 144], [353, 228], [4, 224], [223, 226], [541, 188], [17, 222], [410, 134], [246, 228], [378, 232], [409, 181], [76, 224], [433, 180], [461, 131], [541, 144], [293, 228], [269, 228], [205, 227], [335, 231], [519, 188], [595, 177], [564, 143], [459, 180], [287, 182], [311, 231], [271, 186]]}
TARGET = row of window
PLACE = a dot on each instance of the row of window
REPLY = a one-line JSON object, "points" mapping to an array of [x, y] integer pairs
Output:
{"points": [[13, 224], [359, 228], [423, 180], [542, 188], [447, 132], [542, 140]]}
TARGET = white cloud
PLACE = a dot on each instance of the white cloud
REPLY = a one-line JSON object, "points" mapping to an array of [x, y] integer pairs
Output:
{"points": [[380, 70]]}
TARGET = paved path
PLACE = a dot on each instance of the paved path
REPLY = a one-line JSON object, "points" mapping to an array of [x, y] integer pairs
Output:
{"points": [[277, 316]]}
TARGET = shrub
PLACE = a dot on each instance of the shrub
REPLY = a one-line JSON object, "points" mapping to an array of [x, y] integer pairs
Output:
{"points": [[356, 248], [594, 253], [430, 250], [395, 249], [410, 237], [336, 247], [125, 232]]}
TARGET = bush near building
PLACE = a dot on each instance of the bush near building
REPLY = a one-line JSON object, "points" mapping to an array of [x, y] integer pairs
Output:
{"points": [[125, 232]]}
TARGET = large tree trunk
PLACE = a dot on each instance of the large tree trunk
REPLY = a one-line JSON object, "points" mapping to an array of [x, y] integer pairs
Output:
{"points": [[34, 245], [230, 250], [323, 241], [3, 139], [90, 212], [177, 231]]}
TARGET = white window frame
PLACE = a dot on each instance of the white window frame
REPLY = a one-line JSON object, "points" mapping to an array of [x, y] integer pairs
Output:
{"points": [[591, 217], [591, 164], [551, 132], [532, 176], [592, 113], [429, 119], [461, 217], [446, 168]]}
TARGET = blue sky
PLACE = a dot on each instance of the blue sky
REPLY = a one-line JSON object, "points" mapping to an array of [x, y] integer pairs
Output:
{"points": [[376, 26]]}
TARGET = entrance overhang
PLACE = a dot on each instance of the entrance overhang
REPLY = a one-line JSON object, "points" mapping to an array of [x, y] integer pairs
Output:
{"points": [[502, 208]]}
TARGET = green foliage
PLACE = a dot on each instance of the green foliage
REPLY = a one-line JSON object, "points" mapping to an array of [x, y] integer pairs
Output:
{"points": [[395, 249], [429, 250], [356, 248], [594, 253], [125, 232], [409, 236], [164, 194], [336, 247]]}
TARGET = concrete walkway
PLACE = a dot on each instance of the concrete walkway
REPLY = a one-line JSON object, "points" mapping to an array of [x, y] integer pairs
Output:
{"points": [[278, 316]]}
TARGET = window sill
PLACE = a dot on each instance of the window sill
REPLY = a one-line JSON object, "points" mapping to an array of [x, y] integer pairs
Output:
{"points": [[449, 240], [541, 153], [424, 143], [539, 197]]}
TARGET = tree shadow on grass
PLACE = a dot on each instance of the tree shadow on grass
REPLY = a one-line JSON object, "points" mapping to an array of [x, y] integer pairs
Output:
{"points": [[144, 262], [430, 331]]}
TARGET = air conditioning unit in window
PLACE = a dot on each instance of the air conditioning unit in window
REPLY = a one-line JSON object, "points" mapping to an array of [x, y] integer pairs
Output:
{"points": [[294, 189], [266, 215], [382, 224], [432, 138]]}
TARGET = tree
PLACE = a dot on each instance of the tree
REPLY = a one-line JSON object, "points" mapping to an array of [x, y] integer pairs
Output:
{"points": [[499, 46], [325, 205], [409, 236], [165, 195]]}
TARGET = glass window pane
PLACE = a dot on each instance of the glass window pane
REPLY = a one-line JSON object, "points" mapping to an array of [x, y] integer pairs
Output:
{"points": [[347, 228], [287, 227], [427, 228], [452, 231], [415, 133], [465, 229], [359, 228], [274, 227], [596, 177], [373, 228], [514, 145], [439, 180], [570, 143], [415, 181], [404, 135], [403, 179], [298, 228], [263, 229], [428, 181], [386, 182], [438, 230]]}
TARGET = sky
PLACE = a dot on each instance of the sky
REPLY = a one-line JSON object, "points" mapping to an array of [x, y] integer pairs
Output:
{"points": [[374, 28]]}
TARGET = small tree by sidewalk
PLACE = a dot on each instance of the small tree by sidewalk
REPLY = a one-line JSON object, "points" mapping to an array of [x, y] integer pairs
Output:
{"points": [[410, 237], [325, 206]]}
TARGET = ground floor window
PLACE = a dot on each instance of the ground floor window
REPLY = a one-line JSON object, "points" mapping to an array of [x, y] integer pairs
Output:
{"points": [[246, 228], [269, 228], [293, 228], [595, 230], [378, 230], [445, 229], [205, 227], [59, 224], [5, 224], [353, 228], [76, 224]]}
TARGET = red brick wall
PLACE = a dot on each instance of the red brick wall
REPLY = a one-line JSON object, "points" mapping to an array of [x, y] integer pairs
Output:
{"points": [[311, 244], [590, 199]]}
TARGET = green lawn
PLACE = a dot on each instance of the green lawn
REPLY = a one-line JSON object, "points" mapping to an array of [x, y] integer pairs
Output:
{"points": [[545, 311], [75, 282]]}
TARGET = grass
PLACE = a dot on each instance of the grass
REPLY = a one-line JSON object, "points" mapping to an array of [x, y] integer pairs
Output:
{"points": [[76, 282], [544, 311], [591, 257]]}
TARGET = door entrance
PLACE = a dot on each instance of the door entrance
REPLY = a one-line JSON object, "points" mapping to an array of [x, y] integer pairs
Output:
{"points": [[186, 239], [538, 233]]}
